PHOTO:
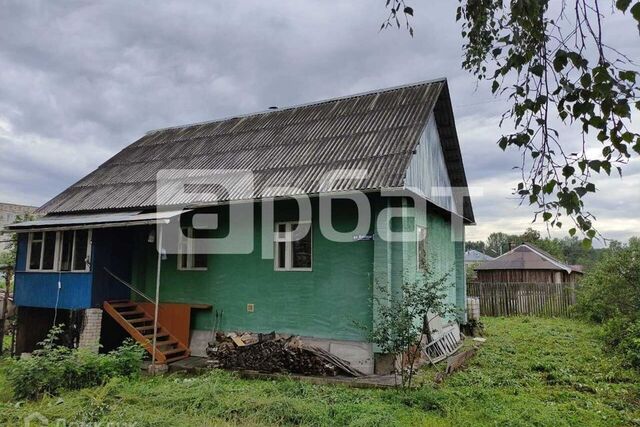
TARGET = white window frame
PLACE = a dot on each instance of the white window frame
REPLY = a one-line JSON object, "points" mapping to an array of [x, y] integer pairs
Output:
{"points": [[57, 253], [87, 264], [188, 242], [288, 249], [419, 242], [29, 250]]}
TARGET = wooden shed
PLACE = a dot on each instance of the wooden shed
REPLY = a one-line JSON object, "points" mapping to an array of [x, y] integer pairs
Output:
{"points": [[526, 264]]}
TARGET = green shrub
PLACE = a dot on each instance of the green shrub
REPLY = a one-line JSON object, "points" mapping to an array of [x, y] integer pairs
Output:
{"points": [[54, 368], [610, 294], [624, 335]]}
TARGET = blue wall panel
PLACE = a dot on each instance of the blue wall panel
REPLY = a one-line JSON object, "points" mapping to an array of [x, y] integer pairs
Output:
{"points": [[35, 289], [21, 255], [112, 248]]}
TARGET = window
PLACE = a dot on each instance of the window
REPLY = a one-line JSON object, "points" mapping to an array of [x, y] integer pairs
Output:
{"points": [[42, 250], [292, 252], [191, 255], [421, 250], [59, 250]]}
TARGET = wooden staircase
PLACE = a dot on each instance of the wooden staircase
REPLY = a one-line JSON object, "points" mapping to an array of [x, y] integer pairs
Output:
{"points": [[139, 324]]}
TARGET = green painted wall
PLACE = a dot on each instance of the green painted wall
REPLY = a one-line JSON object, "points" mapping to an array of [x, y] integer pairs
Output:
{"points": [[325, 302]]}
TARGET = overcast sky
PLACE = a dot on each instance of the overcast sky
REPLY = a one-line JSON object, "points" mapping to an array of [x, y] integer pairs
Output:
{"points": [[81, 80]]}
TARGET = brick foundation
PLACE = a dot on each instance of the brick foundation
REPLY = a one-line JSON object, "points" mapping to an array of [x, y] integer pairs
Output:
{"points": [[90, 334]]}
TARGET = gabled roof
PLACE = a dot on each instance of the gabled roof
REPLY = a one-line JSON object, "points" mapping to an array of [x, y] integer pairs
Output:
{"points": [[473, 255], [377, 131], [526, 257]]}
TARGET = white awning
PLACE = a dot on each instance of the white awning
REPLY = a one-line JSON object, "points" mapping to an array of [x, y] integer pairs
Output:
{"points": [[102, 220]]}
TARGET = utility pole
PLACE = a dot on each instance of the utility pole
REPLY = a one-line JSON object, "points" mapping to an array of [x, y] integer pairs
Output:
{"points": [[5, 305]]}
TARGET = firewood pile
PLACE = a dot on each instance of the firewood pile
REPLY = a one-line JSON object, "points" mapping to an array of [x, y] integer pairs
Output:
{"points": [[275, 353]]}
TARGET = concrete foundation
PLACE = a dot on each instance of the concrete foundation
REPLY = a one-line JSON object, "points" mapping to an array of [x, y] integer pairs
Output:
{"points": [[358, 354]]}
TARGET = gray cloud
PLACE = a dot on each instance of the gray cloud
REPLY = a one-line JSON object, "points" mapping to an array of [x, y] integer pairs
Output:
{"points": [[81, 80]]}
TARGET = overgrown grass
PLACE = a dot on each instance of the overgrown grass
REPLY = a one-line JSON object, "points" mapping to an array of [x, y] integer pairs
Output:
{"points": [[529, 372]]}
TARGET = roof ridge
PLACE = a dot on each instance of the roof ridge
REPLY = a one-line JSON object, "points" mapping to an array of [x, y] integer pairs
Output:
{"points": [[547, 255], [306, 104]]}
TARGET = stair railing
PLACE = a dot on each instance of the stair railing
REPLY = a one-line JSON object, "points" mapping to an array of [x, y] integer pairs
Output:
{"points": [[130, 286]]}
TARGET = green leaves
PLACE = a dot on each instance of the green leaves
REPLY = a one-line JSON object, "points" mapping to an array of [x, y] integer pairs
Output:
{"points": [[623, 5], [527, 56], [635, 11], [560, 60], [568, 171]]}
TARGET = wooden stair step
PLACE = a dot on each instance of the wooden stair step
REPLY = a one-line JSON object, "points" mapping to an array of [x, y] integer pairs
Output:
{"points": [[158, 335], [146, 328], [174, 351], [140, 320], [131, 313], [123, 304]]}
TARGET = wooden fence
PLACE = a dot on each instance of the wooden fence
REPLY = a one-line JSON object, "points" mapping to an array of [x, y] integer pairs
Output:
{"points": [[512, 299]]}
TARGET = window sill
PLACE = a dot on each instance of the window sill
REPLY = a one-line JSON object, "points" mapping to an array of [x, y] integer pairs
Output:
{"points": [[54, 271]]}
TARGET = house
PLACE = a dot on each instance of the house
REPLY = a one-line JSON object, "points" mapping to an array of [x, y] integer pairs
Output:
{"points": [[526, 264], [473, 258], [9, 213], [206, 219]]}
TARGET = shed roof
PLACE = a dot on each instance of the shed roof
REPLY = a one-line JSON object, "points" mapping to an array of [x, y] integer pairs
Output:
{"points": [[526, 257], [296, 146]]}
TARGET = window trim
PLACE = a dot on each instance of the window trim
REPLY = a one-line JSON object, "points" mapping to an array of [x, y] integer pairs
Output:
{"points": [[288, 247], [190, 255], [57, 253]]}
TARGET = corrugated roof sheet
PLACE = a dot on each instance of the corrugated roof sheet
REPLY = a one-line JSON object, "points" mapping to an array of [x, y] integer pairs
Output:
{"points": [[525, 257], [295, 146]]}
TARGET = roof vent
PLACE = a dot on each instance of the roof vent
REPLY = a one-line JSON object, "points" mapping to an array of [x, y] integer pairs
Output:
{"points": [[273, 107]]}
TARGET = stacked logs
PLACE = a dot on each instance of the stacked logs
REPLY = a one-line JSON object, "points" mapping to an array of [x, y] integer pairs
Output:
{"points": [[274, 353]]}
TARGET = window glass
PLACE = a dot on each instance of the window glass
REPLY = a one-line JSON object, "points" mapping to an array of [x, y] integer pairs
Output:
{"points": [[49, 251], [80, 250], [301, 252], [282, 254], [200, 255], [292, 254], [192, 253], [36, 251], [66, 251]]}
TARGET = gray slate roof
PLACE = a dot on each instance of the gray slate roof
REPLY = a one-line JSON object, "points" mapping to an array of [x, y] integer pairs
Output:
{"points": [[473, 255], [526, 257], [295, 146]]}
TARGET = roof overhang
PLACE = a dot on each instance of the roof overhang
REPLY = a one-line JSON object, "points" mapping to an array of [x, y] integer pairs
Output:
{"points": [[91, 221]]}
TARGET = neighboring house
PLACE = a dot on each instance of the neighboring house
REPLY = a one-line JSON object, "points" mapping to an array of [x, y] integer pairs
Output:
{"points": [[9, 213], [526, 264], [100, 236], [472, 259]]}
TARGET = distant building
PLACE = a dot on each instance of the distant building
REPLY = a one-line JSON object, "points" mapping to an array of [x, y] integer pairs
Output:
{"points": [[473, 258], [8, 215], [526, 264]]}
